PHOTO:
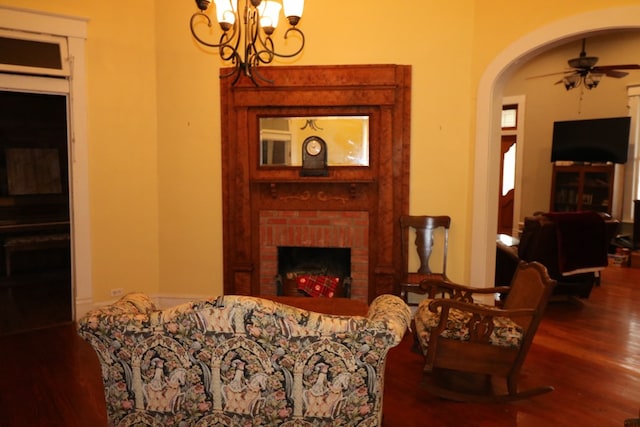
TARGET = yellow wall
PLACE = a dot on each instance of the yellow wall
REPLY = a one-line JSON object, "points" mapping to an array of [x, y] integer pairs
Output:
{"points": [[154, 120]]}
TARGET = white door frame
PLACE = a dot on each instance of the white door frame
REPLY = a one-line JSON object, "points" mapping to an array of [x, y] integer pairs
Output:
{"points": [[75, 88]]}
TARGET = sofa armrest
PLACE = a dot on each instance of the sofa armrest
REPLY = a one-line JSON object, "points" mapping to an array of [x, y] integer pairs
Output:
{"points": [[131, 311], [393, 312]]}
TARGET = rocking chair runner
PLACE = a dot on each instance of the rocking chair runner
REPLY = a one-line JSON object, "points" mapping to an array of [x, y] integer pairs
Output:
{"points": [[467, 344]]}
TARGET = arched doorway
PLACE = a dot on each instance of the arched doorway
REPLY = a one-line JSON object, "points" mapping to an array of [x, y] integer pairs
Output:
{"points": [[487, 145]]}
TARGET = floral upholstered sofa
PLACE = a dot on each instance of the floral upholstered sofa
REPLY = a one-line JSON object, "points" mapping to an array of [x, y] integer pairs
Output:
{"points": [[242, 361]]}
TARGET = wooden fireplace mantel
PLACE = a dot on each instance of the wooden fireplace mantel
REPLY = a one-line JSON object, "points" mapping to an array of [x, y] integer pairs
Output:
{"points": [[382, 92]]}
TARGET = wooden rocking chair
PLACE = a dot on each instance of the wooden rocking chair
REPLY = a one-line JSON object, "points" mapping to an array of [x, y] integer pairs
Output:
{"points": [[467, 344]]}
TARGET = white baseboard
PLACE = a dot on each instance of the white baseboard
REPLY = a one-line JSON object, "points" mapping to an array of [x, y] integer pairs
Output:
{"points": [[83, 305]]}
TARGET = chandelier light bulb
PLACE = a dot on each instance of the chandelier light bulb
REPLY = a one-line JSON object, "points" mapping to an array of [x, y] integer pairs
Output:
{"points": [[269, 14], [293, 10], [226, 13]]}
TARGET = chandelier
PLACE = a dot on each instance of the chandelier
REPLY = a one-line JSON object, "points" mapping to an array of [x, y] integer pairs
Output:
{"points": [[247, 27]]}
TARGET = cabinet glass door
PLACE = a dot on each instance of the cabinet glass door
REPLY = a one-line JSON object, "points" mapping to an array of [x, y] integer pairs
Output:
{"points": [[595, 193], [567, 191]]}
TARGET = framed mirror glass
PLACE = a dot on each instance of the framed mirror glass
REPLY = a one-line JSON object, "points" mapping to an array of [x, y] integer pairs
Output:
{"points": [[347, 139]]}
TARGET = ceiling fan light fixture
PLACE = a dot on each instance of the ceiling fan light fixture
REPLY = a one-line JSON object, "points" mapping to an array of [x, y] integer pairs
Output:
{"points": [[571, 81], [592, 80]]}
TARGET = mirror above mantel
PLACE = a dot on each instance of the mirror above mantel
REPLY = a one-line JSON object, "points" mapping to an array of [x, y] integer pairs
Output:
{"points": [[347, 139]]}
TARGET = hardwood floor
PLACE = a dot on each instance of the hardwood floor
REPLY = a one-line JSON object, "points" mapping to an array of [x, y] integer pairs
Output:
{"points": [[36, 295], [35, 300], [588, 350]]}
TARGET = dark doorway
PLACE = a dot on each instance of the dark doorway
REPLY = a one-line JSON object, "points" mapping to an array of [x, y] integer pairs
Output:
{"points": [[35, 255]]}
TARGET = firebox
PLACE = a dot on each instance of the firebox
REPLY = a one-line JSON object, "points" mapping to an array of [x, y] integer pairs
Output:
{"points": [[314, 271]]}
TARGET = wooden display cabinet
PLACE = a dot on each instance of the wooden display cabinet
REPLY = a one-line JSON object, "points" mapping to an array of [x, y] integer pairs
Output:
{"points": [[582, 188]]}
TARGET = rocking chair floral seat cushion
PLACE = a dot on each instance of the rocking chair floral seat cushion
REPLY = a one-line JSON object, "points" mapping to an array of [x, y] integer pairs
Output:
{"points": [[505, 333], [467, 344]]}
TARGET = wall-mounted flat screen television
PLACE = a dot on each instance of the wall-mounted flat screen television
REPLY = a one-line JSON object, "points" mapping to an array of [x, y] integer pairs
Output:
{"points": [[594, 140]]}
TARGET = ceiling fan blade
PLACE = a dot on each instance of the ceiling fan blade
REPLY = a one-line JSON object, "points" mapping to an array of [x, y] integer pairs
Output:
{"points": [[550, 74], [603, 68], [616, 74]]}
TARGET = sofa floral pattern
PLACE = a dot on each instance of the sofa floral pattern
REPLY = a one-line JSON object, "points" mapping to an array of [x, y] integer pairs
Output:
{"points": [[242, 361]]}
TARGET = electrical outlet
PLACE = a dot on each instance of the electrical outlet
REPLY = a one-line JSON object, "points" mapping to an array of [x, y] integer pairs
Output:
{"points": [[116, 292]]}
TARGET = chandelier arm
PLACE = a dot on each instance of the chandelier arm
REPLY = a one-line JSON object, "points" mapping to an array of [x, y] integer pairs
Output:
{"points": [[229, 52], [237, 65], [235, 71], [254, 72], [268, 46], [301, 34], [224, 35], [253, 31], [266, 54]]}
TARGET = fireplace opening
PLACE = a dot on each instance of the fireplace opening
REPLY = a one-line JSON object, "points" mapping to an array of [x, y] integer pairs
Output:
{"points": [[314, 271]]}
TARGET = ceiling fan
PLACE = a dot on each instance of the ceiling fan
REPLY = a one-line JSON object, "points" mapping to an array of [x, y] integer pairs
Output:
{"points": [[585, 71]]}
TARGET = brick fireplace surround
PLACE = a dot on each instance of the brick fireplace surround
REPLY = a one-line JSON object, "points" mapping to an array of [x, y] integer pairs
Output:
{"points": [[325, 229], [356, 207]]}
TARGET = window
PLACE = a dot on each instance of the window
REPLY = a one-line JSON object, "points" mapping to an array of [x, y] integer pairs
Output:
{"points": [[37, 54], [509, 117]]}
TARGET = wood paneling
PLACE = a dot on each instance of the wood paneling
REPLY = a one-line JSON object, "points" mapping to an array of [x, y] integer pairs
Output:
{"points": [[382, 189]]}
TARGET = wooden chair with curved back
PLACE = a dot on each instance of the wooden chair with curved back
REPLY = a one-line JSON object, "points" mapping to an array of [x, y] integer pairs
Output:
{"points": [[467, 344], [426, 233]]}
